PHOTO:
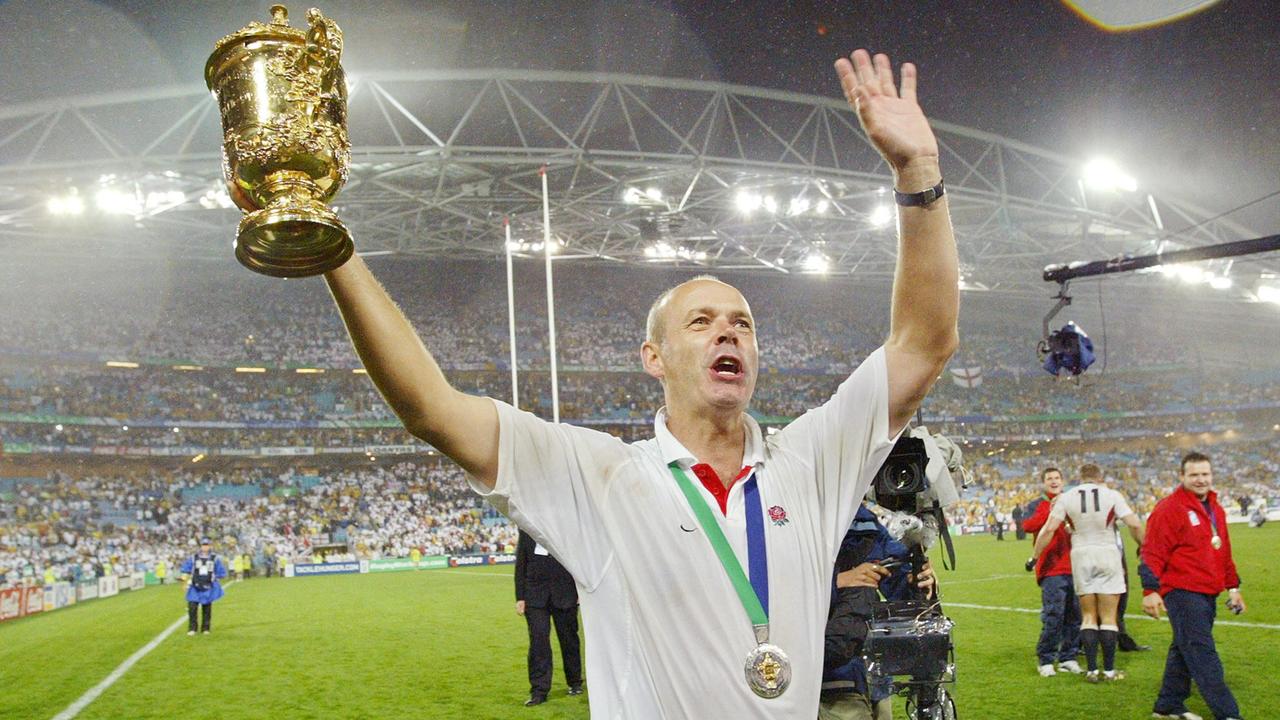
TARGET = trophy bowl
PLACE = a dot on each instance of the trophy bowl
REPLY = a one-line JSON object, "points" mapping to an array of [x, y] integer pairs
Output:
{"points": [[285, 153]]}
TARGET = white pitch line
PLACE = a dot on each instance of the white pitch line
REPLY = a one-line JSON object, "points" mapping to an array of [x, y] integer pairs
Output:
{"points": [[466, 573], [999, 608], [989, 578], [92, 693]]}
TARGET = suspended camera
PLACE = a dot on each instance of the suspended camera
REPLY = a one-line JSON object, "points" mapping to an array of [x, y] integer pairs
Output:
{"points": [[1065, 352]]}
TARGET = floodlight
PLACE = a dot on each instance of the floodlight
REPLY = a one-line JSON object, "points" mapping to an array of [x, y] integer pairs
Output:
{"points": [[1105, 175], [65, 205], [747, 201], [881, 216], [1190, 274], [816, 262], [115, 202], [1269, 293]]}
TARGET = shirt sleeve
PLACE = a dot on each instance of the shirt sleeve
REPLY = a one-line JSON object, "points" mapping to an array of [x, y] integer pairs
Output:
{"points": [[847, 440], [1156, 547], [1038, 517], [1232, 578], [1059, 509], [550, 481], [1122, 507]]}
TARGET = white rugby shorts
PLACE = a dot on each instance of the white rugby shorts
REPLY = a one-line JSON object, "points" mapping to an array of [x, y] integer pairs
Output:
{"points": [[1097, 569]]}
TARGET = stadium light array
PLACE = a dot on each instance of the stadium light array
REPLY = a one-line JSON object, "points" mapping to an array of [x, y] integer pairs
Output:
{"points": [[1269, 293], [654, 194], [747, 202], [215, 199], [631, 196], [65, 205], [881, 216], [188, 367], [798, 206], [309, 371], [116, 202], [1105, 175], [121, 364], [359, 371], [770, 204], [663, 250], [251, 369], [816, 262]]}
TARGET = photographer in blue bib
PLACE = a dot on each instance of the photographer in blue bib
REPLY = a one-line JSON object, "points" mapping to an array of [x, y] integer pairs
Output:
{"points": [[202, 572]]}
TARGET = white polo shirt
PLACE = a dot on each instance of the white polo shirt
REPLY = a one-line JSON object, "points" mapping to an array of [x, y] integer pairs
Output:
{"points": [[667, 636]]}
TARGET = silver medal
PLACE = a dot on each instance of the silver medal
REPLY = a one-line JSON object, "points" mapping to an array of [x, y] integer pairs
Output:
{"points": [[768, 670]]}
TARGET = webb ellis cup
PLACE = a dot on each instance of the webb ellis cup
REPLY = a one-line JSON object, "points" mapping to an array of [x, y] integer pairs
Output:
{"points": [[285, 152]]}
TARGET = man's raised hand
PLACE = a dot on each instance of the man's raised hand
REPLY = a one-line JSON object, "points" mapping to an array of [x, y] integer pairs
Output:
{"points": [[889, 115]]}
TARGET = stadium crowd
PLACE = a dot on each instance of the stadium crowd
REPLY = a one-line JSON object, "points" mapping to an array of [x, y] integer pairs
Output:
{"points": [[57, 330], [80, 525]]}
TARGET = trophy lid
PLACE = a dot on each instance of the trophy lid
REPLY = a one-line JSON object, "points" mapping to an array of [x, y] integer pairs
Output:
{"points": [[277, 30]]}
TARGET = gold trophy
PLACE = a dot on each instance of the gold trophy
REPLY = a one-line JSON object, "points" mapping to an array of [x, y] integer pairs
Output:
{"points": [[285, 153]]}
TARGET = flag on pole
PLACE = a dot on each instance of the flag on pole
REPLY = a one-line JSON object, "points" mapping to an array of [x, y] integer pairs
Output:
{"points": [[967, 377]]}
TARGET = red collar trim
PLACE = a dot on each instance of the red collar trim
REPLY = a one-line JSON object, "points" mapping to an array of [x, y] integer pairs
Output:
{"points": [[707, 476]]}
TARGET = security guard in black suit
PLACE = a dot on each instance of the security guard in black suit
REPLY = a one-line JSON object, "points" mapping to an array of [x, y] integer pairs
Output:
{"points": [[544, 592]]}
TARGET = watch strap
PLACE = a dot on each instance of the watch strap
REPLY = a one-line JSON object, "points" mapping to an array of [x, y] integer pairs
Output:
{"points": [[920, 199]]}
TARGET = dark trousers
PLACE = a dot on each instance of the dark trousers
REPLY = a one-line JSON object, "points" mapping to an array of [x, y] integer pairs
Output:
{"points": [[1059, 620], [539, 620], [206, 615], [1193, 656]]}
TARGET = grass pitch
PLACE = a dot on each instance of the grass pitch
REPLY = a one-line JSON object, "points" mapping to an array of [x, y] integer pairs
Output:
{"points": [[448, 644]]}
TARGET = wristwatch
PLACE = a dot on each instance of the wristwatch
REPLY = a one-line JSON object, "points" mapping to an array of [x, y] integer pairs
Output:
{"points": [[920, 199]]}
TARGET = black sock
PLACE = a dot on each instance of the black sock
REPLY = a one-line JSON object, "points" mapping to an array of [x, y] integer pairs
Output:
{"points": [[1089, 641], [1108, 649]]}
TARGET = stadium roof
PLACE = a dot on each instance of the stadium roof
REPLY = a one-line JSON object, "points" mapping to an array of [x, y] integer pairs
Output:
{"points": [[640, 170]]}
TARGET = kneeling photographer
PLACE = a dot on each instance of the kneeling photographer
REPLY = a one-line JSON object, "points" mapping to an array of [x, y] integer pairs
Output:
{"points": [[900, 644], [870, 562]]}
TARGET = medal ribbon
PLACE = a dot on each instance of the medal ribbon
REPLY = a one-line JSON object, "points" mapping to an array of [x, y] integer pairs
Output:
{"points": [[754, 594], [1213, 524]]}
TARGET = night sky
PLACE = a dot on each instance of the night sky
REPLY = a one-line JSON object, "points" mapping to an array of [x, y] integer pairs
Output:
{"points": [[1188, 108]]}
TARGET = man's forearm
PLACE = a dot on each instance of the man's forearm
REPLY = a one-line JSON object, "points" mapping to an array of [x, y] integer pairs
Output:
{"points": [[926, 293], [462, 427]]}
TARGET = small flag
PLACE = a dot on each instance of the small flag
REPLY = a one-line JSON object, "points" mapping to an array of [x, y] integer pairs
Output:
{"points": [[967, 377]]}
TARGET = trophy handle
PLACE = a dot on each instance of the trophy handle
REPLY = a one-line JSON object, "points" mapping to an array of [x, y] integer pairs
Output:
{"points": [[324, 51]]}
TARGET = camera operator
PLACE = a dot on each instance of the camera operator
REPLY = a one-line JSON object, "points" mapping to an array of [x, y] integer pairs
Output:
{"points": [[870, 562]]}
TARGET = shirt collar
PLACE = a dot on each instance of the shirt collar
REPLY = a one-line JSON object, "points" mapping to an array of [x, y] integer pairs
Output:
{"points": [[673, 450]]}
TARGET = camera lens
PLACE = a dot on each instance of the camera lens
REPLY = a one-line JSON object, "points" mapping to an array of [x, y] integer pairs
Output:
{"points": [[902, 477]]}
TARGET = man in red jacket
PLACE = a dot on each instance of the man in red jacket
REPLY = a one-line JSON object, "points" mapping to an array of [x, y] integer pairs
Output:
{"points": [[1186, 564], [1059, 606]]}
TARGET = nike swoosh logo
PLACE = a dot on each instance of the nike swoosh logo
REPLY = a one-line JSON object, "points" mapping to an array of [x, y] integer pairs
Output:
{"points": [[682, 527]]}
